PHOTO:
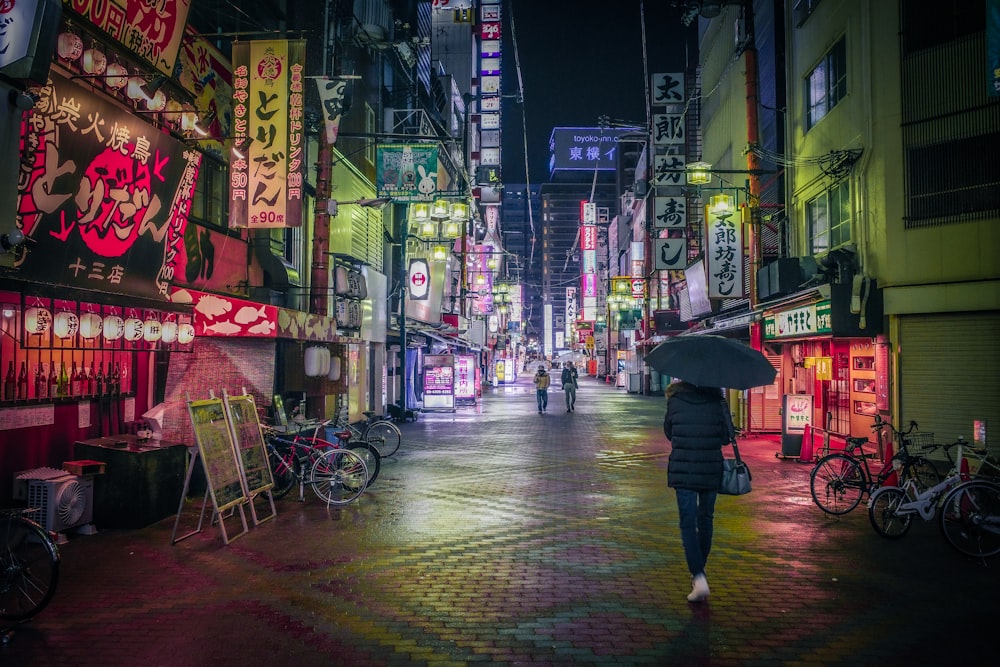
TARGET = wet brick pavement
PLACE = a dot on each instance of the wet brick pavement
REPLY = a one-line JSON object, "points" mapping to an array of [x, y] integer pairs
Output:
{"points": [[500, 536]]}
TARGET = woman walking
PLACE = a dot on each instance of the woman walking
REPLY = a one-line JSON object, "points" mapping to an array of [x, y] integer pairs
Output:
{"points": [[697, 429]]}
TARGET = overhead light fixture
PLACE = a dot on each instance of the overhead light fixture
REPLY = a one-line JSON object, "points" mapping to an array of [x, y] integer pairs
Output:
{"points": [[698, 173], [439, 253], [440, 210], [419, 212], [721, 206]]}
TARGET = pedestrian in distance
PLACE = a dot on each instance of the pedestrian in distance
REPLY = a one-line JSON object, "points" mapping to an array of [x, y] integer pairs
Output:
{"points": [[570, 381], [542, 381], [697, 429]]}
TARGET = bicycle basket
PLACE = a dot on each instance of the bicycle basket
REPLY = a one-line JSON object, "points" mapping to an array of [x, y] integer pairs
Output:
{"points": [[918, 442]]}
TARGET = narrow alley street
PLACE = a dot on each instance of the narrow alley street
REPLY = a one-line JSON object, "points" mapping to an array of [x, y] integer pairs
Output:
{"points": [[497, 535]]}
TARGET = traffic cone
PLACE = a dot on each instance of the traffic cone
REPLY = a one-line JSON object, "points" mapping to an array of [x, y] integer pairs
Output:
{"points": [[806, 453]]}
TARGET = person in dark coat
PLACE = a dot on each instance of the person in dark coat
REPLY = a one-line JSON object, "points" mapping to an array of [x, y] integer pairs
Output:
{"points": [[696, 427]]}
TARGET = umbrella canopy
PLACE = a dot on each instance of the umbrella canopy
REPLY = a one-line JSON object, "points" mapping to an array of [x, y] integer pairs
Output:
{"points": [[711, 361]]}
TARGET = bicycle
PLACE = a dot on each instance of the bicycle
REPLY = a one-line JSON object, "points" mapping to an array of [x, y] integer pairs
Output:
{"points": [[337, 475], [368, 452], [969, 513], [29, 566], [840, 480], [381, 432]]}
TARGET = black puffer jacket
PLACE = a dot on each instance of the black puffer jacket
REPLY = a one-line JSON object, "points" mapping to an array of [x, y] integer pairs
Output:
{"points": [[696, 428]]}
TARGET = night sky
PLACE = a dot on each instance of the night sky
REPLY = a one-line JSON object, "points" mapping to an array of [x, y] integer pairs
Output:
{"points": [[580, 59]]}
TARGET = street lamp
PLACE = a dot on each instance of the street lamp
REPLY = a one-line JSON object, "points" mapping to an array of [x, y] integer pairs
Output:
{"points": [[333, 206]]}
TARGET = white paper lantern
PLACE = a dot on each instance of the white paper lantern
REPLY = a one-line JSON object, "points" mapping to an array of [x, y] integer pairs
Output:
{"points": [[133, 329], [116, 76], [313, 361], [168, 333], [325, 362], [69, 46], [152, 330], [37, 320], [334, 373], [90, 325], [185, 334], [114, 327], [65, 324], [94, 61]]}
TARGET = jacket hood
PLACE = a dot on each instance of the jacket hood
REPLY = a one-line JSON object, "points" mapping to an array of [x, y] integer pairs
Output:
{"points": [[693, 394]]}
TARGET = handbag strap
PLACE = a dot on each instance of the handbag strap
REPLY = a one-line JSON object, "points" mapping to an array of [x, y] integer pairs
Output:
{"points": [[728, 418]]}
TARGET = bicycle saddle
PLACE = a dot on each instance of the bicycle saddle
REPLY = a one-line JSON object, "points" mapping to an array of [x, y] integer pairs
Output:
{"points": [[855, 443], [368, 413], [342, 435]]}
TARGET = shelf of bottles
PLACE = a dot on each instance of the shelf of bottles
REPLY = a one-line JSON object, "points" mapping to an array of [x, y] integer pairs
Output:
{"points": [[54, 350]]}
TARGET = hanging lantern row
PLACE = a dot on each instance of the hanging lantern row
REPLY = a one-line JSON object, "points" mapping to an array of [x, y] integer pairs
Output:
{"points": [[66, 324], [136, 86], [319, 362]]}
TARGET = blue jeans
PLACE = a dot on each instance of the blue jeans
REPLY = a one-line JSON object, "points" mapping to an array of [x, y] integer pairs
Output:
{"points": [[696, 509], [543, 399]]}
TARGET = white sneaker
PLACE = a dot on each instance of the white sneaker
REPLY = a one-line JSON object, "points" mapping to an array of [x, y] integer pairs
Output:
{"points": [[699, 589]]}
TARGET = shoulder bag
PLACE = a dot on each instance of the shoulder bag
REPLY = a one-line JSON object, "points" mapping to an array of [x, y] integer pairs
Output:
{"points": [[735, 473]]}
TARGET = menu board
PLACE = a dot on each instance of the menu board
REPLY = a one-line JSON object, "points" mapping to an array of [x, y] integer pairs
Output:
{"points": [[249, 442], [215, 446]]}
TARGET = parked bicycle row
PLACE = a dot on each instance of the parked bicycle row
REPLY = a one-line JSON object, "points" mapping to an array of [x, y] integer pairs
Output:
{"points": [[338, 470], [965, 501]]}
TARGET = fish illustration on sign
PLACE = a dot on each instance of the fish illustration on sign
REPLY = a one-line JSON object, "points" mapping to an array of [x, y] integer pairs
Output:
{"points": [[223, 328], [212, 306], [248, 314], [264, 327]]}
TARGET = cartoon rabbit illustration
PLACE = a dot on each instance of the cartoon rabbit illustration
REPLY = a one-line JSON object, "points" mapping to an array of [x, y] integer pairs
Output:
{"points": [[427, 184]]}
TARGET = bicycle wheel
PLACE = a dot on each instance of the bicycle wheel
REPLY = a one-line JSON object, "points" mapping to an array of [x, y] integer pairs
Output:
{"points": [[386, 437], [837, 483], [370, 455], [338, 476], [970, 518], [885, 515], [29, 568], [283, 468], [921, 471]]}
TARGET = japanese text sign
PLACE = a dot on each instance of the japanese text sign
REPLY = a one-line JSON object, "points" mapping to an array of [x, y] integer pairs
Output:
{"points": [[724, 252], [104, 196], [151, 30], [266, 183]]}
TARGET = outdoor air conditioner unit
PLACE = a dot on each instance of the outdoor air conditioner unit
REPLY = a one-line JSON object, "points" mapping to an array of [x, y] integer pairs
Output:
{"points": [[63, 500]]}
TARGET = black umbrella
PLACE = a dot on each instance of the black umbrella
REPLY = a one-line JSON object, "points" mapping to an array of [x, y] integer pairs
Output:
{"points": [[711, 361]]}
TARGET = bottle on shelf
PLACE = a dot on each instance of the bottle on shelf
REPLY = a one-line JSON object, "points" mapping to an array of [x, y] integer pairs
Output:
{"points": [[41, 382], [100, 380], [63, 381], [91, 381], [75, 382], [22, 382], [116, 380], [53, 380], [9, 383]]}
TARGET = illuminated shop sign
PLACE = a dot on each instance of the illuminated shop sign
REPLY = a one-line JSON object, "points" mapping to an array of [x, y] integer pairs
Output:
{"points": [[586, 148], [103, 195], [266, 184]]}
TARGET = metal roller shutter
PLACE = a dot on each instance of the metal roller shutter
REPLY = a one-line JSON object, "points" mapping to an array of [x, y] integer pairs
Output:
{"points": [[949, 370]]}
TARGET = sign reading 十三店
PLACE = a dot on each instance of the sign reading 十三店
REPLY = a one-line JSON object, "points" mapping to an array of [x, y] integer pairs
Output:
{"points": [[266, 178], [811, 320]]}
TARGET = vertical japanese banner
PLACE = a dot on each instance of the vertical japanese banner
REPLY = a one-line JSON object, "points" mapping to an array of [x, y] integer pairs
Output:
{"points": [[724, 254], [266, 176]]}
